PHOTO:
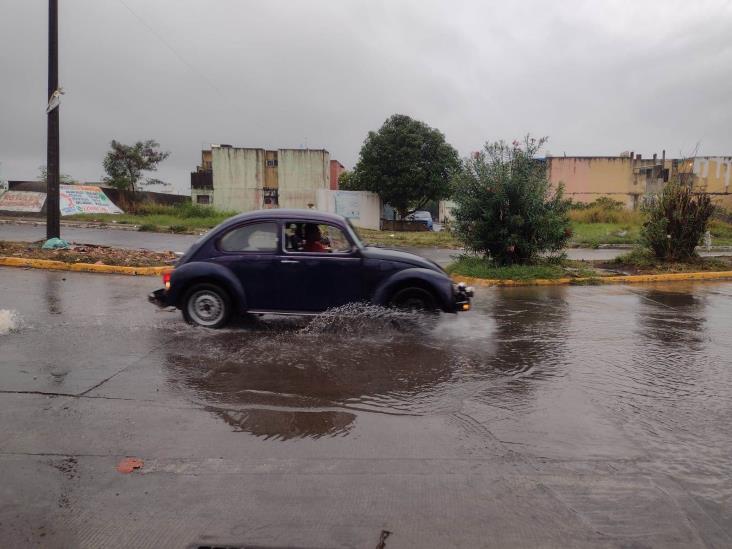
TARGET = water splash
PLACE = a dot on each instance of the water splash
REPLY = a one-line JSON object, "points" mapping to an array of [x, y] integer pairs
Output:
{"points": [[363, 318], [9, 321]]}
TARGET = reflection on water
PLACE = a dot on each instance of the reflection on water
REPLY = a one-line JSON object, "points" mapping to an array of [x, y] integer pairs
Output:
{"points": [[529, 342], [51, 294], [643, 364], [286, 424], [281, 378]]}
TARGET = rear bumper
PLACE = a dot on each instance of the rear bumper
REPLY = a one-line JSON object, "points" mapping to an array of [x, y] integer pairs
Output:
{"points": [[159, 298]]}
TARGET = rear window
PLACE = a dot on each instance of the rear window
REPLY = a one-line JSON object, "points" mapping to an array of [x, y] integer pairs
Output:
{"points": [[257, 237]]}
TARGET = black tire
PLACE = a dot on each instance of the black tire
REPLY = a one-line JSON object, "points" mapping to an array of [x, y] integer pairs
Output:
{"points": [[414, 299], [207, 305]]}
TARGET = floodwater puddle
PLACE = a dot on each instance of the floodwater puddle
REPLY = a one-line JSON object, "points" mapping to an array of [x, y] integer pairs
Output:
{"points": [[571, 373]]}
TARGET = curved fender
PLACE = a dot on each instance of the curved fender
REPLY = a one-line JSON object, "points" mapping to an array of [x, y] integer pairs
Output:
{"points": [[183, 275], [439, 282]]}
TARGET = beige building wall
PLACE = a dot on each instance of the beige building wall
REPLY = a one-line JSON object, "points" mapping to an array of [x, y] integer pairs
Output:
{"points": [[712, 174], [301, 172], [238, 178], [621, 178]]}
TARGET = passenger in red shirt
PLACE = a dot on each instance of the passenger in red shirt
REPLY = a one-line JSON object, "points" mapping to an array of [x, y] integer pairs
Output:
{"points": [[312, 239]]}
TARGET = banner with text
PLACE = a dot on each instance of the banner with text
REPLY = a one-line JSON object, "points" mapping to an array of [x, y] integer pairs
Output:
{"points": [[77, 199], [21, 201]]}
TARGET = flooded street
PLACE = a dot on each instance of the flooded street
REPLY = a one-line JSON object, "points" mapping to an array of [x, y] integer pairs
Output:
{"points": [[548, 416]]}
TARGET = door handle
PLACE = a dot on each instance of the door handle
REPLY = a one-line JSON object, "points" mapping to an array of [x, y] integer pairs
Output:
{"points": [[289, 261]]}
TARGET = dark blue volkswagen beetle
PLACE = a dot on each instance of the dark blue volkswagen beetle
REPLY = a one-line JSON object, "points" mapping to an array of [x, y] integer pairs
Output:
{"points": [[298, 262]]}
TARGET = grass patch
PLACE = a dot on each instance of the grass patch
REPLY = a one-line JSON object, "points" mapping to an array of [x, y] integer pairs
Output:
{"points": [[641, 261], [180, 218], [592, 235], [479, 267], [417, 239], [598, 214]]}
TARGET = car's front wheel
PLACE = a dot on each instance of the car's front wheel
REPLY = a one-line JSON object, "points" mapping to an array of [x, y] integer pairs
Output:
{"points": [[207, 305], [413, 299]]}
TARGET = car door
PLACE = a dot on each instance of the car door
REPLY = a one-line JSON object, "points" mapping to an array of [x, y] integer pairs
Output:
{"points": [[250, 252], [314, 276]]}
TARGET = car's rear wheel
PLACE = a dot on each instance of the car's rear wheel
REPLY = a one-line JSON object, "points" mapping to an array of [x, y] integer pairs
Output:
{"points": [[207, 305], [413, 299]]}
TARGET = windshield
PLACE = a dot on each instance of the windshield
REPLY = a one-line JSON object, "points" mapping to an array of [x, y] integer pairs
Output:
{"points": [[354, 234]]}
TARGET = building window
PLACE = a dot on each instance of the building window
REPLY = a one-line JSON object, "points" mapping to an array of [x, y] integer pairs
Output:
{"points": [[203, 199], [270, 198], [271, 163]]}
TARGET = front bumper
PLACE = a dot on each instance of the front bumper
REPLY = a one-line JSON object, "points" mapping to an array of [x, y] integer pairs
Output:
{"points": [[462, 295], [159, 298]]}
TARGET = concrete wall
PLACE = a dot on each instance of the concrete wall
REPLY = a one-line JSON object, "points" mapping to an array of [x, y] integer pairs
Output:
{"points": [[241, 175], [301, 172], [445, 211], [238, 178], [620, 178], [196, 192], [712, 174], [361, 207]]}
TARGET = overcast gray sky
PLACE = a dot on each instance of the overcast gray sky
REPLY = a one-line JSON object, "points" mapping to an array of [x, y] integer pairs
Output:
{"points": [[597, 77]]}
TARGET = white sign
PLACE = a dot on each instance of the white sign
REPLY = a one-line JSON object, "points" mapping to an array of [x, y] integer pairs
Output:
{"points": [[77, 199], [348, 204], [22, 201]]}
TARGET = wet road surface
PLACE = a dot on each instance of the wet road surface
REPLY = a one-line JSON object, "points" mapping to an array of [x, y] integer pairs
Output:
{"points": [[554, 417]]}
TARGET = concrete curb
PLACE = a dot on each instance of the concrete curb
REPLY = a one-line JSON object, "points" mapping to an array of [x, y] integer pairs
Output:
{"points": [[624, 279], [81, 267], [158, 271]]}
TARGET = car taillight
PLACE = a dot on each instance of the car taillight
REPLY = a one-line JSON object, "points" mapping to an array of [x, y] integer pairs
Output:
{"points": [[166, 280]]}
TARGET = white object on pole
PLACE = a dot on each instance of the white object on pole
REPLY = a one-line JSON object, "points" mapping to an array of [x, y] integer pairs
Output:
{"points": [[55, 100]]}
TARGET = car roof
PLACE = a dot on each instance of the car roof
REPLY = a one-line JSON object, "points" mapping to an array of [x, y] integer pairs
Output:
{"points": [[285, 213]]}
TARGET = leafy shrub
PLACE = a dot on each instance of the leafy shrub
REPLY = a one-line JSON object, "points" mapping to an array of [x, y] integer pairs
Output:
{"points": [[677, 220], [505, 206], [604, 202]]}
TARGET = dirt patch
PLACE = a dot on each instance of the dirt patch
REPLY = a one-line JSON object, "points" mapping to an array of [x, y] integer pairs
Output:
{"points": [[88, 253]]}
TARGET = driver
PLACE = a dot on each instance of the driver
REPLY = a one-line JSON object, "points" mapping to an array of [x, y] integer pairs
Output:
{"points": [[312, 239]]}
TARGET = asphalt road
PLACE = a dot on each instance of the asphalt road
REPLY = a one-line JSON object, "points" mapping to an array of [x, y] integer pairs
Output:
{"points": [[545, 417], [180, 243]]}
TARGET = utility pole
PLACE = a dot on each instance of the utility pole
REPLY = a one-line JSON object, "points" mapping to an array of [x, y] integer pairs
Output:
{"points": [[53, 225]]}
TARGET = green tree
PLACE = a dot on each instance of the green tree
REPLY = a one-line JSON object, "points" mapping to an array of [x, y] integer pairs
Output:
{"points": [[64, 179], [348, 182], [124, 164], [677, 221], [407, 163], [505, 206]]}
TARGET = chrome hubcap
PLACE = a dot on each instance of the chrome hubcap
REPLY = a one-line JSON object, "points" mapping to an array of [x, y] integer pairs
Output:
{"points": [[205, 307]]}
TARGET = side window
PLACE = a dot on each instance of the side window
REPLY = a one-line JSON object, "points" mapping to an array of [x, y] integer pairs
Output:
{"points": [[257, 237], [315, 238]]}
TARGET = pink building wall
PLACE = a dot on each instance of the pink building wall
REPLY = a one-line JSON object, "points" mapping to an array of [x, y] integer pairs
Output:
{"points": [[336, 169]]}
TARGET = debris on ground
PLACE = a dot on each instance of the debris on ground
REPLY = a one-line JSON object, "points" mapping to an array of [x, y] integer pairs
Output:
{"points": [[129, 464], [87, 253], [55, 244]]}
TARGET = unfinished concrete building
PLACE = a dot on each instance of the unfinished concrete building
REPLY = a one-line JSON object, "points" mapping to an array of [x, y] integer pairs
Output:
{"points": [[245, 179], [628, 177]]}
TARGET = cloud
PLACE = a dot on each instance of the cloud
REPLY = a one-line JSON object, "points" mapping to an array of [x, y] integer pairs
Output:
{"points": [[597, 77]]}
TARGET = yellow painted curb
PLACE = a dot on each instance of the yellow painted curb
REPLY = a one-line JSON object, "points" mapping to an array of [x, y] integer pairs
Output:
{"points": [[623, 279], [81, 267]]}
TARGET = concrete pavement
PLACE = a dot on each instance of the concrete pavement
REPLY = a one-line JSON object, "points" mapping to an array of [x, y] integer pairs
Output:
{"points": [[550, 417]]}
